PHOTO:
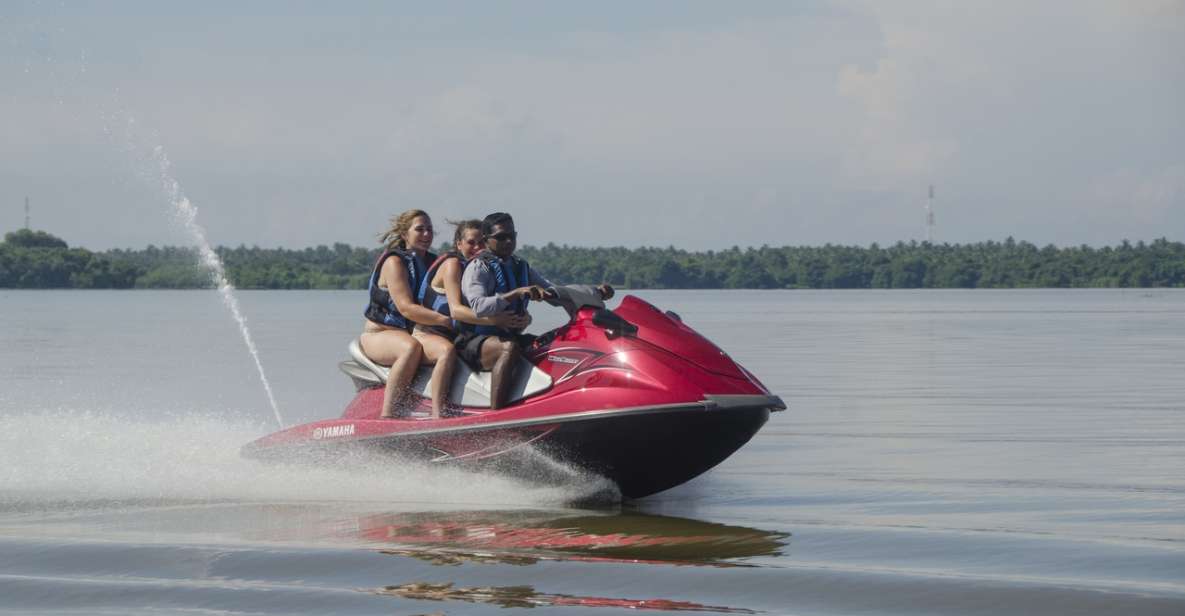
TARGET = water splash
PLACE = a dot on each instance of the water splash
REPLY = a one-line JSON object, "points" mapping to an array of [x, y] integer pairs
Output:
{"points": [[71, 455], [186, 214]]}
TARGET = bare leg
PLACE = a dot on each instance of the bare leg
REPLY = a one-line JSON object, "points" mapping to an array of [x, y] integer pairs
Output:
{"points": [[439, 351], [395, 348], [499, 356], [402, 372]]}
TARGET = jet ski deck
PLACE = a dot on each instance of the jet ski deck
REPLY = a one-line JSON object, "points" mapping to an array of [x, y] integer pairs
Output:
{"points": [[468, 388]]}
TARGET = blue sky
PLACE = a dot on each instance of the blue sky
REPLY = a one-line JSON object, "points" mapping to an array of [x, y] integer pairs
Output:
{"points": [[697, 124]]}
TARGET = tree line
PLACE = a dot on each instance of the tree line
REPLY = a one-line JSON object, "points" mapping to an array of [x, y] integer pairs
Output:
{"points": [[36, 259]]}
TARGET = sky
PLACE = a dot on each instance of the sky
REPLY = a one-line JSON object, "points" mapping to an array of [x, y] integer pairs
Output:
{"points": [[701, 125]]}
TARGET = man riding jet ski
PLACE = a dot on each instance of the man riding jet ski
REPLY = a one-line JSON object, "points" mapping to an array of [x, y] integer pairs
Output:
{"points": [[497, 282]]}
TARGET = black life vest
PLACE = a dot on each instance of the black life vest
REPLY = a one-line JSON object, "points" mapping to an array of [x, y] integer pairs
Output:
{"points": [[381, 308]]}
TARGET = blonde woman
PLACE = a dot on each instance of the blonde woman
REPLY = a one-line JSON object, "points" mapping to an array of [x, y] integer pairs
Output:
{"points": [[393, 311]]}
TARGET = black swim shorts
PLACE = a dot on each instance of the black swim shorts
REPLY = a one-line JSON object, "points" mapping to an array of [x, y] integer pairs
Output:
{"points": [[468, 346]]}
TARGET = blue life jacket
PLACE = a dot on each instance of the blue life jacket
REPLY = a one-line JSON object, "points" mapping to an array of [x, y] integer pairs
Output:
{"points": [[429, 297], [506, 279], [382, 307]]}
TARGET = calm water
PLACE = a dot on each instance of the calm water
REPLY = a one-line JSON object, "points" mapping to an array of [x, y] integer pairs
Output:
{"points": [[945, 453]]}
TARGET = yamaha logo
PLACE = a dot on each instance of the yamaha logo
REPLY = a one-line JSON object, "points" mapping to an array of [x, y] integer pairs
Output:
{"points": [[560, 359], [333, 431]]}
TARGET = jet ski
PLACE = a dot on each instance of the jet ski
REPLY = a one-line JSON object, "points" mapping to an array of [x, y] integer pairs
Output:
{"points": [[633, 395]]}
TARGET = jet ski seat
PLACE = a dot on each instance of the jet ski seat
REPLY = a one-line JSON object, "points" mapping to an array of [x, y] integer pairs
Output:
{"points": [[469, 388]]}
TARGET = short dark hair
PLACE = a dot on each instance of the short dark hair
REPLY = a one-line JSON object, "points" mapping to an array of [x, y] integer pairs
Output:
{"points": [[497, 218]]}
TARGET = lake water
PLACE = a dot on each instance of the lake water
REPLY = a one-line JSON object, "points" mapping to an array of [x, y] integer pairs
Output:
{"points": [[945, 452]]}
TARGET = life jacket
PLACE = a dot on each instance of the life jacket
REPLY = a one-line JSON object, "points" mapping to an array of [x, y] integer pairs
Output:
{"points": [[506, 278], [429, 297], [382, 307]]}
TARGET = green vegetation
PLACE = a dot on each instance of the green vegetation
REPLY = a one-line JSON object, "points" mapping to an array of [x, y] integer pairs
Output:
{"points": [[1008, 264], [38, 260], [35, 259]]}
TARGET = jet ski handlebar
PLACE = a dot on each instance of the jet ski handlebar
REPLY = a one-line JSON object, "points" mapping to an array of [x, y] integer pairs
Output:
{"points": [[573, 297]]}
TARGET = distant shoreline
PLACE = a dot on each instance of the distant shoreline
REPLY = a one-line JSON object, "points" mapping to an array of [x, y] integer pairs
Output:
{"points": [[38, 260]]}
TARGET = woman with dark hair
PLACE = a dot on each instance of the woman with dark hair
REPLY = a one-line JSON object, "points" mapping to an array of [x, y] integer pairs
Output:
{"points": [[386, 336], [440, 291]]}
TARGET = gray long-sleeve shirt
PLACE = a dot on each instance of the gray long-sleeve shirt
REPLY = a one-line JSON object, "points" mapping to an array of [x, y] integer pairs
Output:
{"points": [[480, 288]]}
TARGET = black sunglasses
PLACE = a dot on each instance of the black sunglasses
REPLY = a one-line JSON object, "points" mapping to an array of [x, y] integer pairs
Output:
{"points": [[503, 236]]}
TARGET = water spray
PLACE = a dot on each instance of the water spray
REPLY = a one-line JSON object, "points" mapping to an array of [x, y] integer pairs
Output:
{"points": [[186, 214]]}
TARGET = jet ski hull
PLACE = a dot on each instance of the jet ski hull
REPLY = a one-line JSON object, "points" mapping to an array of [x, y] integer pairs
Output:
{"points": [[646, 453]]}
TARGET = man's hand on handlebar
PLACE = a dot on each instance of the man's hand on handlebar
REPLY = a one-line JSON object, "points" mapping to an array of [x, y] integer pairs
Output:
{"points": [[535, 293]]}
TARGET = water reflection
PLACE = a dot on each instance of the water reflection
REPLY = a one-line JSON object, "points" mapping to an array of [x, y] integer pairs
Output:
{"points": [[524, 537], [528, 597]]}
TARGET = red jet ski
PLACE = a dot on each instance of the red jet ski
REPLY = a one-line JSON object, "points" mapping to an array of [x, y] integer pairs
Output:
{"points": [[633, 395]]}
